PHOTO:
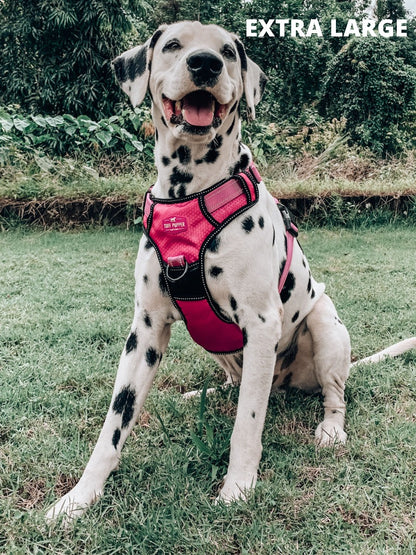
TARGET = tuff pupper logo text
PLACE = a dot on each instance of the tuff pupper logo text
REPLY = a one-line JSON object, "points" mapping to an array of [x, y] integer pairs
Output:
{"points": [[298, 28]]}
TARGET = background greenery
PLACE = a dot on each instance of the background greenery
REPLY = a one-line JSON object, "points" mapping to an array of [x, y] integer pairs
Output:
{"points": [[58, 95]]}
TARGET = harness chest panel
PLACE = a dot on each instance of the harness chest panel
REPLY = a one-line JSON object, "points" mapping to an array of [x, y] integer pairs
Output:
{"points": [[181, 231]]}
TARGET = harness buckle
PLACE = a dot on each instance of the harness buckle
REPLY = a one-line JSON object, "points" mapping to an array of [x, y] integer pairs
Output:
{"points": [[176, 262], [287, 220]]}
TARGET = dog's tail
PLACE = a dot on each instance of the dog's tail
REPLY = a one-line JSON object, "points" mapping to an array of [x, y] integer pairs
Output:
{"points": [[392, 351]]}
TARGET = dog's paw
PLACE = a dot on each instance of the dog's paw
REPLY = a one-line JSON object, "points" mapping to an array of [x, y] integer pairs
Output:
{"points": [[236, 489], [328, 434], [71, 506]]}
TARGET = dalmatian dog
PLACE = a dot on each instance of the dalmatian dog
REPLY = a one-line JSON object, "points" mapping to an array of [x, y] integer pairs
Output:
{"points": [[196, 76]]}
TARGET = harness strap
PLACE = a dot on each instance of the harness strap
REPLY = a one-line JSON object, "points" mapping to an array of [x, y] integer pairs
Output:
{"points": [[291, 234], [180, 231]]}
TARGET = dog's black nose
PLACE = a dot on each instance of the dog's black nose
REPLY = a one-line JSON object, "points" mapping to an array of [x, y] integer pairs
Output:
{"points": [[204, 67]]}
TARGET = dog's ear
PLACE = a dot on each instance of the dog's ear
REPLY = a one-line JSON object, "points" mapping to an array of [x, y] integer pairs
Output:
{"points": [[132, 68], [254, 80]]}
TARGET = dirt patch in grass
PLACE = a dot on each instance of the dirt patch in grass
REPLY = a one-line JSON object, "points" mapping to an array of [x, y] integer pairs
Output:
{"points": [[64, 213]]}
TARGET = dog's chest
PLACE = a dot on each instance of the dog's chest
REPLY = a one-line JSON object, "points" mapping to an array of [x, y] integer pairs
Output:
{"points": [[246, 263]]}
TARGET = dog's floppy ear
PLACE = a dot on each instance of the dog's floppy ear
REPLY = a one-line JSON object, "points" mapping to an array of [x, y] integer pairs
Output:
{"points": [[132, 68], [254, 80]]}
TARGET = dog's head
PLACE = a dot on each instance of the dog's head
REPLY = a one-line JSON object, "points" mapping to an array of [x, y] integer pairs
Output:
{"points": [[196, 75]]}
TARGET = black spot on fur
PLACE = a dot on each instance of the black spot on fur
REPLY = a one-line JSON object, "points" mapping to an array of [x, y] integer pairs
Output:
{"points": [[229, 130], [289, 354], [215, 271], [286, 381], [147, 320], [245, 337], [244, 160], [274, 236], [164, 121], [262, 318], [236, 319], [309, 284], [179, 177], [233, 107], [261, 222], [148, 245], [214, 244], [276, 347], [156, 135], [248, 224], [146, 279], [162, 284], [304, 262], [138, 64], [131, 342], [295, 316], [181, 191], [116, 437], [214, 149], [124, 405], [242, 54], [165, 160], [132, 67], [313, 293], [288, 287], [155, 38], [239, 359], [233, 303], [184, 154], [151, 356], [253, 414]]}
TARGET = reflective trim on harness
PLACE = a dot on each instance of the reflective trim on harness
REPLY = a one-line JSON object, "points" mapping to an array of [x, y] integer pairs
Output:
{"points": [[181, 230]]}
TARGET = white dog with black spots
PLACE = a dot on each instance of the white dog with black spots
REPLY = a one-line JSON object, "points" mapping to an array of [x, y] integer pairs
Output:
{"points": [[196, 76]]}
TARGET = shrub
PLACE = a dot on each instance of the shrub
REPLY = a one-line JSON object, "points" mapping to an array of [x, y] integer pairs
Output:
{"points": [[369, 85], [56, 56], [62, 135]]}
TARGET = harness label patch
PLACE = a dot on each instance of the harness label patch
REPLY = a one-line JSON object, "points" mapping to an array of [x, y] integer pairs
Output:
{"points": [[176, 224]]}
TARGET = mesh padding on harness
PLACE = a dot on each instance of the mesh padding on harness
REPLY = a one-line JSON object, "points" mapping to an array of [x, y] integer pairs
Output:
{"points": [[180, 231]]}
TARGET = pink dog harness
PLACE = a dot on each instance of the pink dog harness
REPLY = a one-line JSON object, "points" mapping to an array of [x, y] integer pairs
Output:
{"points": [[182, 230]]}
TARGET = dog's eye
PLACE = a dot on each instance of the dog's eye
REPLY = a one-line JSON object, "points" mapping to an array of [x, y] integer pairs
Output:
{"points": [[172, 45], [228, 52]]}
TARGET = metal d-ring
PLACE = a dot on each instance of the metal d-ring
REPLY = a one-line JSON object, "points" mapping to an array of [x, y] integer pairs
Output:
{"points": [[170, 278]]}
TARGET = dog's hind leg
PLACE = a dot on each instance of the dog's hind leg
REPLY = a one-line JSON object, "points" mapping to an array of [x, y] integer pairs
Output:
{"points": [[331, 355]]}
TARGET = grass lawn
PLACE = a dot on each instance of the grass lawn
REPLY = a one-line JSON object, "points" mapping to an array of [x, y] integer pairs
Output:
{"points": [[66, 305]]}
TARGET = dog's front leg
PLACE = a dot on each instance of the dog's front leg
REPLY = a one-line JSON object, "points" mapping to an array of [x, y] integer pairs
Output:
{"points": [[139, 361], [259, 359]]}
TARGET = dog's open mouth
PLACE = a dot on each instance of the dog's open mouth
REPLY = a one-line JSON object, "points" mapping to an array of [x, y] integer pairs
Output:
{"points": [[198, 109]]}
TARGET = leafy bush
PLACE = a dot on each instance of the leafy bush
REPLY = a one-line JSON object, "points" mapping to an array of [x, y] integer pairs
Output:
{"points": [[56, 56], [62, 135], [369, 85]]}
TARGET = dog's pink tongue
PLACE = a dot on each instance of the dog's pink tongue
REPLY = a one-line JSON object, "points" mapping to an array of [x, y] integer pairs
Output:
{"points": [[198, 109]]}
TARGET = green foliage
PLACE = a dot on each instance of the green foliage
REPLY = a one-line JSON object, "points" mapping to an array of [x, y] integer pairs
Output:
{"points": [[62, 135], [373, 89], [56, 55]]}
